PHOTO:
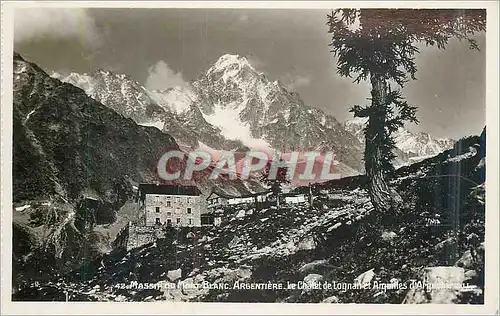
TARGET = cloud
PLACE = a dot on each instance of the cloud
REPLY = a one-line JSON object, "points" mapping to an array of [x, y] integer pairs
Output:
{"points": [[162, 77], [292, 82], [255, 61], [55, 23], [243, 18]]}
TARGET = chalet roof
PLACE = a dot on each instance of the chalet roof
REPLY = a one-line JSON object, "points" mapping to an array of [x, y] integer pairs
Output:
{"points": [[229, 196], [151, 188], [288, 194]]}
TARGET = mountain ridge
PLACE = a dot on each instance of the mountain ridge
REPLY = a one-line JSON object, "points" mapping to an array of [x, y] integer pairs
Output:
{"points": [[410, 147], [232, 106], [217, 124], [76, 162]]}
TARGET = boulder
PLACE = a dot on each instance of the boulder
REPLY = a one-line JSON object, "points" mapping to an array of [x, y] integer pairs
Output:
{"points": [[173, 275], [120, 298], [466, 261], [313, 278], [189, 289], [308, 243], [234, 242], [438, 285], [388, 236], [331, 299], [445, 243], [174, 295], [365, 277], [290, 245], [313, 266], [470, 274], [232, 275]]}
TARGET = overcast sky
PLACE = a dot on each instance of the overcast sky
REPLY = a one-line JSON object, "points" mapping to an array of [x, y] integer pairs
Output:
{"points": [[165, 47]]}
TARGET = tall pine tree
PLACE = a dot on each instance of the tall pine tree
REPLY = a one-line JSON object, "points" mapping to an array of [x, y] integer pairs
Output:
{"points": [[379, 45]]}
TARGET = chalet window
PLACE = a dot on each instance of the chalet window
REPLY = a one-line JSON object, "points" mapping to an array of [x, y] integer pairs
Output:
{"points": [[169, 214], [169, 204], [189, 210], [157, 209], [158, 221], [190, 221], [178, 199], [178, 221]]}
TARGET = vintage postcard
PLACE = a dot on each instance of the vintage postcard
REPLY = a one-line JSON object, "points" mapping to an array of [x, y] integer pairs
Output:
{"points": [[250, 157]]}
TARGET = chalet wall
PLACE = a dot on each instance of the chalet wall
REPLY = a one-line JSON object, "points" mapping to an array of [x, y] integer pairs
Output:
{"points": [[214, 202], [180, 210]]}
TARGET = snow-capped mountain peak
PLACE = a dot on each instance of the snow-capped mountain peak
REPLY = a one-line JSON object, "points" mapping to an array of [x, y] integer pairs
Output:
{"points": [[231, 105], [231, 61], [356, 126], [117, 91], [234, 69], [83, 81], [246, 105], [413, 145], [175, 99]]}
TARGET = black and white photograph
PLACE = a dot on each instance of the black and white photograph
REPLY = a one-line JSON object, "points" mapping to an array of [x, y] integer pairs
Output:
{"points": [[320, 155]]}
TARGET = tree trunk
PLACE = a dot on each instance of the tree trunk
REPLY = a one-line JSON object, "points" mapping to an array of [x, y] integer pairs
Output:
{"points": [[382, 196]]}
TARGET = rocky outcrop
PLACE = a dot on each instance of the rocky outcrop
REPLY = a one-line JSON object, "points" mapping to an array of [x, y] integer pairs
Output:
{"points": [[75, 161]]}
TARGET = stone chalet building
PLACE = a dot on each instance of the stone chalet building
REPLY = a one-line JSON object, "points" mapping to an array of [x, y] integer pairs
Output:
{"points": [[161, 206], [184, 207], [217, 200], [170, 205]]}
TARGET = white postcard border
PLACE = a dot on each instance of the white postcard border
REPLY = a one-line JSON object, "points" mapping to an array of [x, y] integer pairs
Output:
{"points": [[160, 308]]}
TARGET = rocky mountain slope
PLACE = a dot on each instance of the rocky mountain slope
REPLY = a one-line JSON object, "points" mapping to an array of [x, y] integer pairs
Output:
{"points": [[76, 162], [410, 147], [439, 234], [171, 111]]}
